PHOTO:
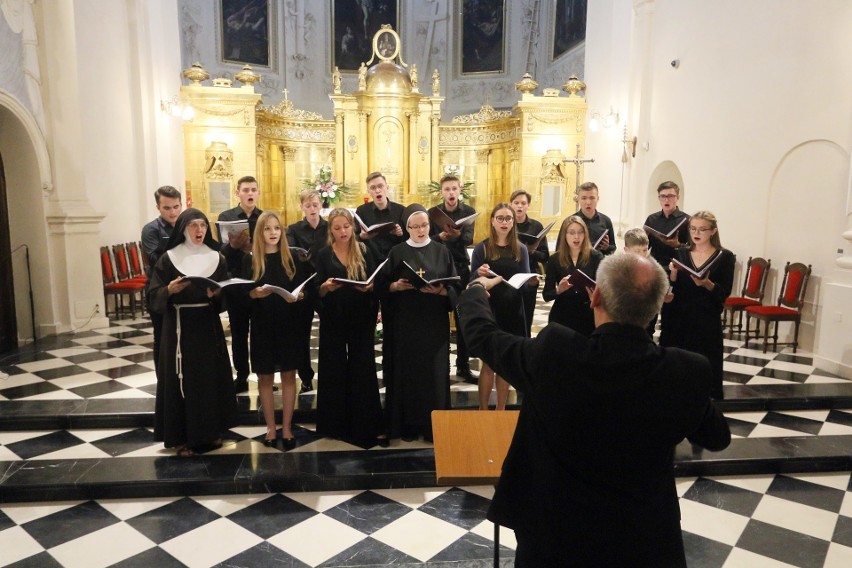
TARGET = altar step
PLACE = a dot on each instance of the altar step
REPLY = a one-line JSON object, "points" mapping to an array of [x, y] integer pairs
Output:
{"points": [[139, 412]]}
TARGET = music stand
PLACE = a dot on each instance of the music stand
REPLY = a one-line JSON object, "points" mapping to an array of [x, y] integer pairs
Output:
{"points": [[470, 446]]}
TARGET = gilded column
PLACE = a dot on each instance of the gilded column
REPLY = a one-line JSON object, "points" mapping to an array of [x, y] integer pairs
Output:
{"points": [[341, 145], [364, 145], [288, 155]]}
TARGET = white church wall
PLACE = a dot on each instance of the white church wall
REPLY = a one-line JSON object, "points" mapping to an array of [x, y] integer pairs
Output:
{"points": [[751, 86]]}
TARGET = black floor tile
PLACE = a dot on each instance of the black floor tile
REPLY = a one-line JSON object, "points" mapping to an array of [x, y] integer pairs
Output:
{"points": [[31, 389], [88, 357], [69, 524], [789, 422], [128, 334], [783, 545], [40, 560], [5, 521], [140, 357], [172, 520], [742, 359], [111, 344], [26, 356], [370, 552], [60, 372], [263, 554], [125, 371], [806, 493], [791, 376], [97, 389], [126, 442], [368, 512], [459, 507], [155, 556], [793, 358], [723, 496], [703, 552], [272, 515], [739, 378], [843, 531], [840, 417], [45, 444], [471, 547], [741, 428]]}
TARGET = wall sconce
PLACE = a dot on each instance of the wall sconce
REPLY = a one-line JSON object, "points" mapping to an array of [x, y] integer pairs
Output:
{"points": [[629, 146], [596, 121], [174, 108]]}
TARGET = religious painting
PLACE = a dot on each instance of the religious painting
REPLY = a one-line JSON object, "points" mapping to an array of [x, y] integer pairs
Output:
{"points": [[482, 38], [354, 23], [569, 25], [244, 32]]}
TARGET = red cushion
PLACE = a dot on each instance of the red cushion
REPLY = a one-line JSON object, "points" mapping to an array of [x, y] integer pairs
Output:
{"points": [[753, 286], [126, 285], [791, 293], [772, 312], [741, 302]]}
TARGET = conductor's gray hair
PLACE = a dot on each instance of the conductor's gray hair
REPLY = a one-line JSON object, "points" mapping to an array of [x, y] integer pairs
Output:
{"points": [[632, 288]]}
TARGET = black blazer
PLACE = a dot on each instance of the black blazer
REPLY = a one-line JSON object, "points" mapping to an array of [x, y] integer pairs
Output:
{"points": [[591, 460]]}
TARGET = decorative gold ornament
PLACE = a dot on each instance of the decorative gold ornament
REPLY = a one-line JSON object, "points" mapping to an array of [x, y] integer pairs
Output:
{"points": [[222, 82], [527, 84], [573, 86], [247, 76], [196, 73], [485, 114]]}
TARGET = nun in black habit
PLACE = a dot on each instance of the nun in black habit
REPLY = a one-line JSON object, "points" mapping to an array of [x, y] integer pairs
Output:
{"points": [[195, 391], [417, 337]]}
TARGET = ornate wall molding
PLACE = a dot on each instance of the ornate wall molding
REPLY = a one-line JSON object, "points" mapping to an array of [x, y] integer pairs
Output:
{"points": [[285, 109], [485, 114]]}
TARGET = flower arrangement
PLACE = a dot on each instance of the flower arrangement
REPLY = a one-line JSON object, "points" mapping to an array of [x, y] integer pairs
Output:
{"points": [[452, 170], [330, 191]]}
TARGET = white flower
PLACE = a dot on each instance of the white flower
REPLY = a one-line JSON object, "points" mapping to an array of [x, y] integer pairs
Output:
{"points": [[331, 193], [324, 194], [318, 187]]}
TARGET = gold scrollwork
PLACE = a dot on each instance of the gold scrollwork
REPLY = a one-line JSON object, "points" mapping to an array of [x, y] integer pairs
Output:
{"points": [[485, 114], [285, 109]]}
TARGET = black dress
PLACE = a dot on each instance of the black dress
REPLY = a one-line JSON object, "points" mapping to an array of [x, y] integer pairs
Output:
{"points": [[276, 344], [572, 307], [198, 408], [506, 302], [417, 340], [348, 402], [692, 320]]}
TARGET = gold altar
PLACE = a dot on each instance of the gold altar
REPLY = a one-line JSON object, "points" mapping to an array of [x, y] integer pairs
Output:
{"points": [[388, 125]]}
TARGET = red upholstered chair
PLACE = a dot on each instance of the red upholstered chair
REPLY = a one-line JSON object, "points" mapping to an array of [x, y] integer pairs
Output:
{"points": [[789, 308], [754, 286], [134, 261], [119, 289]]}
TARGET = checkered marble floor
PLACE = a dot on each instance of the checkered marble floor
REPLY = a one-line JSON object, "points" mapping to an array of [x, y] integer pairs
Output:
{"points": [[761, 520], [771, 520]]}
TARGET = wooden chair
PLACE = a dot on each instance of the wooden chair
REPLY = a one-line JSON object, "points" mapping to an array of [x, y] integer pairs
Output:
{"points": [[134, 261], [754, 286], [789, 308], [119, 289]]}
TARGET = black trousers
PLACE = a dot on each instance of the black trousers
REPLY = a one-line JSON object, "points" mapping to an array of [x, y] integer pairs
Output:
{"points": [[240, 320]]}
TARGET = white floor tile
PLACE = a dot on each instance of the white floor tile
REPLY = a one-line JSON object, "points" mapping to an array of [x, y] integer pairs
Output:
{"points": [[81, 380], [710, 522], [128, 508], [126, 393], [224, 505], [195, 547], [765, 431], [419, 535], [78, 452], [817, 415], [835, 480], [756, 483], [140, 380], [19, 380], [102, 364], [838, 556], [740, 558], [816, 379], [740, 368], [807, 520], [317, 539], [102, 548], [485, 529], [98, 434], [414, 497], [16, 545], [69, 351], [43, 365], [323, 501], [792, 367], [23, 513], [94, 339], [60, 394]]}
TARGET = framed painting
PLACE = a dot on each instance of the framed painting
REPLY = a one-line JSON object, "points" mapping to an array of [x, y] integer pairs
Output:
{"points": [[569, 25], [245, 32], [353, 25], [483, 38]]}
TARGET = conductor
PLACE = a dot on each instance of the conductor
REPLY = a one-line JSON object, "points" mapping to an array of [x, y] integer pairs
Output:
{"points": [[589, 477]]}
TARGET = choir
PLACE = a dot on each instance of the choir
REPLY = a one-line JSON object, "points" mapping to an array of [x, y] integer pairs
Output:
{"points": [[336, 269]]}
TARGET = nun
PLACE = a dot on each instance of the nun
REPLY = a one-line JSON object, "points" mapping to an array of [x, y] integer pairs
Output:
{"points": [[418, 283], [196, 402]]}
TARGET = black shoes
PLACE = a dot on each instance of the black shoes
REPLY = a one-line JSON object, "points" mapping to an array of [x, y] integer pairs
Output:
{"points": [[288, 443], [306, 387], [465, 374]]}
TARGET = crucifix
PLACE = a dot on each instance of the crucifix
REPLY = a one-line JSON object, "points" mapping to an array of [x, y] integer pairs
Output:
{"points": [[578, 161], [420, 272]]}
